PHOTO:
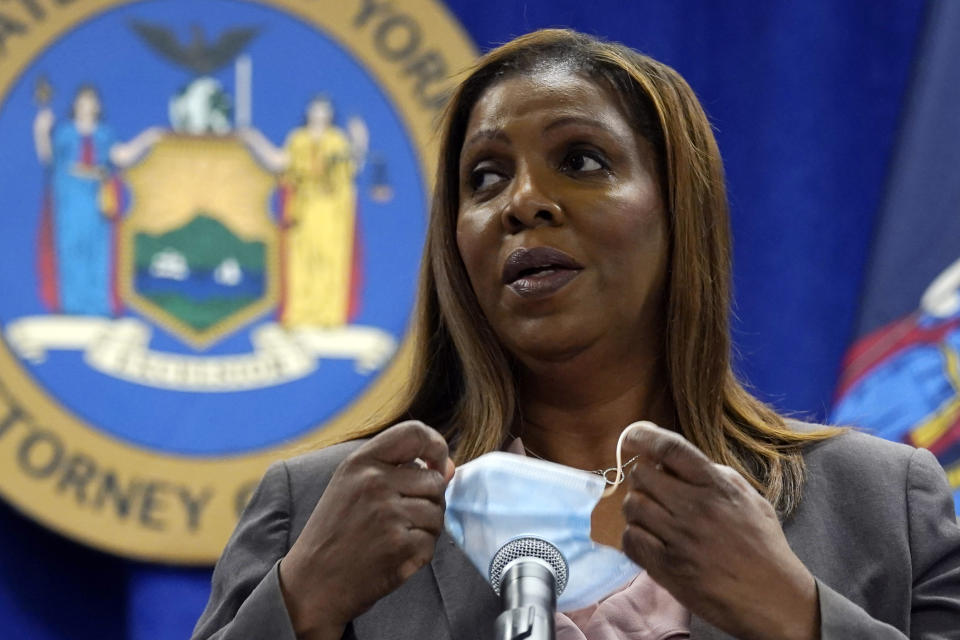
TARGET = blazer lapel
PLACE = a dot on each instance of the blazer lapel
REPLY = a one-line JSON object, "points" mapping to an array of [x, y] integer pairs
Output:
{"points": [[470, 603]]}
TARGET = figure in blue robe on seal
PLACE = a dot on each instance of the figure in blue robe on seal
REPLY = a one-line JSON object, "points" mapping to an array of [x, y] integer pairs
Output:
{"points": [[82, 155]]}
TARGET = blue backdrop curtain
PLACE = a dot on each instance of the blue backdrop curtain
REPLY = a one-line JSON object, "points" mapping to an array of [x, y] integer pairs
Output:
{"points": [[805, 98]]}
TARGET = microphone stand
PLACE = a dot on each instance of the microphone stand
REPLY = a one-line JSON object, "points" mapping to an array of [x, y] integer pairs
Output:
{"points": [[529, 600]]}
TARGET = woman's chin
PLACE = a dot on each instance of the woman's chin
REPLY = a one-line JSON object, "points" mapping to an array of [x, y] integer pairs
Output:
{"points": [[544, 348]]}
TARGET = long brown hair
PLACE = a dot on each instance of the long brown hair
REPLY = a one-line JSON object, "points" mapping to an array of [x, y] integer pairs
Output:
{"points": [[463, 382]]}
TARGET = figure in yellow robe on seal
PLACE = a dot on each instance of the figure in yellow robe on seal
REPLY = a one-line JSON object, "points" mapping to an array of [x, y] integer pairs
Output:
{"points": [[316, 165]]}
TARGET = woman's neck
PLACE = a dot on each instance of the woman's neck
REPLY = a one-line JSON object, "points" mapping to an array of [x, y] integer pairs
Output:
{"points": [[575, 418]]}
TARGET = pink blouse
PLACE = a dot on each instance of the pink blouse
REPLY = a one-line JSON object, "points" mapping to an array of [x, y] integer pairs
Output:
{"points": [[642, 610]]}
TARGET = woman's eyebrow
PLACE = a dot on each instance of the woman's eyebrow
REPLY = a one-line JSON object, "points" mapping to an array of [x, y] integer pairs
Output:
{"points": [[487, 134], [578, 120], [499, 134]]}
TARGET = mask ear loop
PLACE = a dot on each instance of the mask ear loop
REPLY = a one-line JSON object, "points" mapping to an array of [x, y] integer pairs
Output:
{"points": [[609, 491]]}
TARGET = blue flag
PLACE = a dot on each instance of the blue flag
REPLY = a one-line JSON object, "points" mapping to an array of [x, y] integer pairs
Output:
{"points": [[901, 377]]}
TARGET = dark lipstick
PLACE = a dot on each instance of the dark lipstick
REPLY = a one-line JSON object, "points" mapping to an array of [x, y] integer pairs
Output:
{"points": [[539, 271]]}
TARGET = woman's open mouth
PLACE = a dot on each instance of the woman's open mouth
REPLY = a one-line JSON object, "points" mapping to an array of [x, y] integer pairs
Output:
{"points": [[539, 271]]}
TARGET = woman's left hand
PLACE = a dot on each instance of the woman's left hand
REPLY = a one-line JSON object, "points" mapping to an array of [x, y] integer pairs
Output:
{"points": [[708, 537]]}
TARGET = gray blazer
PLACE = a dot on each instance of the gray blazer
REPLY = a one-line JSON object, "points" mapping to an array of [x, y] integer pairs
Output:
{"points": [[876, 527]]}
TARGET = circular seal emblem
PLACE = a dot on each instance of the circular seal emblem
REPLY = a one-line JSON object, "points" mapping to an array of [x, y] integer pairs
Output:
{"points": [[215, 218]]}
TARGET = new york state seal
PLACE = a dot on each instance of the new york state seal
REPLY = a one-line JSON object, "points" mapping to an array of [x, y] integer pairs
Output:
{"points": [[215, 216]]}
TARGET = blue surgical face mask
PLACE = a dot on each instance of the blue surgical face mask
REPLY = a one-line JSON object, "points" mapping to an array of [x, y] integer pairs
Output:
{"points": [[501, 496]]}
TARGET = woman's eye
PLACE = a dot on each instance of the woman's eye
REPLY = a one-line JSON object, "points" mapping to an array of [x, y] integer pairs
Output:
{"points": [[483, 178], [582, 161]]}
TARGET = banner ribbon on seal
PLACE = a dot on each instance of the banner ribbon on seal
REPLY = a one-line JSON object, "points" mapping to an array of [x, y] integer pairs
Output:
{"points": [[120, 348]]}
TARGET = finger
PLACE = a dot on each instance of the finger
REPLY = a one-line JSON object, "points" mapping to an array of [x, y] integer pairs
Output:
{"points": [[447, 472], [407, 441], [417, 483], [642, 547], [642, 510], [677, 496], [423, 514], [731, 482], [670, 450], [418, 550]]}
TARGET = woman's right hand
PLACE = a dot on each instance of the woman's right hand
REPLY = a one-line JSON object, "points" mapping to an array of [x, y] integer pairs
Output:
{"points": [[375, 526]]}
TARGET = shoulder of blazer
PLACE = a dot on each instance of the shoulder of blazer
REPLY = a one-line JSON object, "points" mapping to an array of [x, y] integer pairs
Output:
{"points": [[855, 504], [854, 452]]}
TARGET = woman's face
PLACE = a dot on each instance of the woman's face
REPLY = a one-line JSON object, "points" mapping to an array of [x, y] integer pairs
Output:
{"points": [[561, 224]]}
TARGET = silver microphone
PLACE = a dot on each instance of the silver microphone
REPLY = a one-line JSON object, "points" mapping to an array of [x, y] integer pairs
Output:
{"points": [[528, 573]]}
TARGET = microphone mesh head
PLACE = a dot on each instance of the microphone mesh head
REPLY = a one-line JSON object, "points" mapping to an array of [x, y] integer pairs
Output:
{"points": [[528, 547]]}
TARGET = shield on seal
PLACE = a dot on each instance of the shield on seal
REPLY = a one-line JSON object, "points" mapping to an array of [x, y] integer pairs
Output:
{"points": [[198, 250]]}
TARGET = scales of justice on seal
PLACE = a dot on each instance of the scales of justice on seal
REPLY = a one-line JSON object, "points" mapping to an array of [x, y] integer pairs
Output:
{"points": [[176, 225]]}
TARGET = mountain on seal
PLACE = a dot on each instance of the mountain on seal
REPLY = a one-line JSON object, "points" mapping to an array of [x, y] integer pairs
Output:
{"points": [[183, 270]]}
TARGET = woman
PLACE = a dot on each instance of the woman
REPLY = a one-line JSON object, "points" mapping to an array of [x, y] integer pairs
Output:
{"points": [[576, 279]]}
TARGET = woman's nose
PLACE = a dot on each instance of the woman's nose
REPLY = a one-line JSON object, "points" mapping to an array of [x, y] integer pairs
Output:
{"points": [[530, 204]]}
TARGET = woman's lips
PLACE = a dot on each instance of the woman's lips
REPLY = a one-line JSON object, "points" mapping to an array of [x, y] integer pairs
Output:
{"points": [[539, 271]]}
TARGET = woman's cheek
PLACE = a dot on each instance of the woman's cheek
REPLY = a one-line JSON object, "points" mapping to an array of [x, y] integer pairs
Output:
{"points": [[474, 249], [637, 220]]}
